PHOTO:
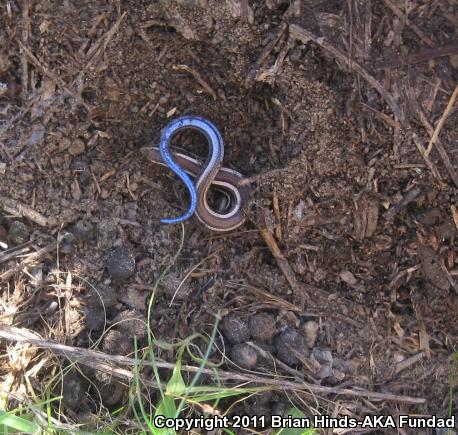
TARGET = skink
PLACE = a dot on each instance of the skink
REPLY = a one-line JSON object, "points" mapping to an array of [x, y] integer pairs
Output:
{"points": [[207, 174]]}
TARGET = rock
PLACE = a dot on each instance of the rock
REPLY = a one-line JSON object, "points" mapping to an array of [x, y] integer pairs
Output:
{"points": [[77, 147], [66, 242], [235, 329], [18, 233], [73, 390], [262, 326], [120, 263], [287, 344], [94, 317], [102, 295], [131, 323], [107, 231], [324, 357], [109, 389], [83, 230], [134, 298], [116, 343], [310, 329], [244, 356]]}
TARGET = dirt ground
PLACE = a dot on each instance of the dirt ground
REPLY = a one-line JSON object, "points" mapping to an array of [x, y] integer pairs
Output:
{"points": [[344, 275]]}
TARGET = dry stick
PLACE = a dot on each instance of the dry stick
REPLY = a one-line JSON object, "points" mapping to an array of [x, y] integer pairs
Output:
{"points": [[32, 258], [18, 208], [428, 161], [47, 72], [454, 212], [281, 261], [197, 77], [264, 53], [262, 175], [100, 46], [6, 256], [25, 39], [441, 122], [439, 145], [421, 56], [92, 357], [403, 17], [305, 36]]}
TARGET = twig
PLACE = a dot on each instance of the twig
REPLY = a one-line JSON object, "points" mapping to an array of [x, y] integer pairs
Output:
{"points": [[25, 39], [441, 122], [439, 145], [265, 52], [47, 72], [281, 261], [305, 36], [276, 206], [197, 77], [32, 258], [408, 362], [90, 357], [8, 255], [454, 211], [100, 46], [18, 208], [428, 161], [262, 175], [421, 56], [403, 17]]}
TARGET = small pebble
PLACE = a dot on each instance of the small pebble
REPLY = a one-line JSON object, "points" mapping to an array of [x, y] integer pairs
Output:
{"points": [[310, 329], [18, 233], [287, 343], [244, 356], [83, 230], [66, 242], [262, 326], [131, 323], [235, 329], [120, 263], [324, 357]]}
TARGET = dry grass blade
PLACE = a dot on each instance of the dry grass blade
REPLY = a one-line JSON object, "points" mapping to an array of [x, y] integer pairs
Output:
{"points": [[95, 358], [435, 138]]}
